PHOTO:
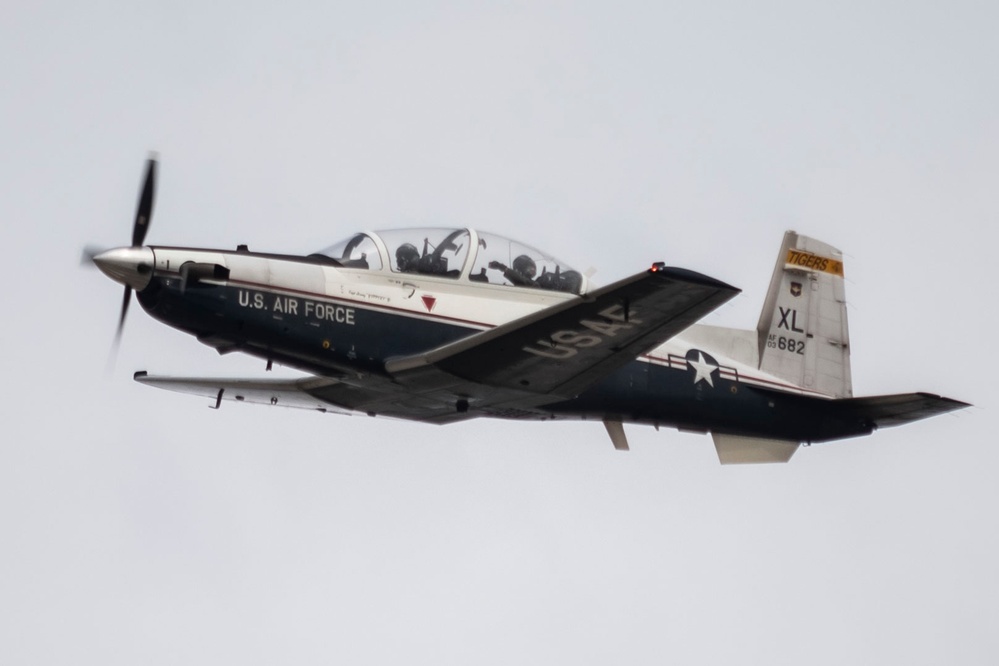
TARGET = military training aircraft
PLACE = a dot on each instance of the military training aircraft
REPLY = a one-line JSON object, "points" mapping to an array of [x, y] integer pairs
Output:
{"points": [[442, 325]]}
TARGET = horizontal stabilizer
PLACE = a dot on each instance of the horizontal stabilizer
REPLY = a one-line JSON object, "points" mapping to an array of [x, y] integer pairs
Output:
{"points": [[885, 411], [739, 450]]}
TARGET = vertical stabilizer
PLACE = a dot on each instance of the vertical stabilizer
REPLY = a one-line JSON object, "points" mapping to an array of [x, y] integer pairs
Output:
{"points": [[803, 334]]}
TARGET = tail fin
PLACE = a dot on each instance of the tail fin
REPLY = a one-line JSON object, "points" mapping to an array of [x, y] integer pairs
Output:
{"points": [[803, 334]]}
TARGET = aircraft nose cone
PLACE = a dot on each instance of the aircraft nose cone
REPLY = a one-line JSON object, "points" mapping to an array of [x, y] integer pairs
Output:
{"points": [[131, 266]]}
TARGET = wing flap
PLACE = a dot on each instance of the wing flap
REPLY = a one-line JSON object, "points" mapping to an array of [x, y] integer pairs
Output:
{"points": [[566, 348]]}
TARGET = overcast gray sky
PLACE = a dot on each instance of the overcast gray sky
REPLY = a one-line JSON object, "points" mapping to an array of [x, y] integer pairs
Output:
{"points": [[137, 526]]}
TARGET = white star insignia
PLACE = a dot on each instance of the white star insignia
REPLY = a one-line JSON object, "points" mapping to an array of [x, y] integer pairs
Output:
{"points": [[703, 370]]}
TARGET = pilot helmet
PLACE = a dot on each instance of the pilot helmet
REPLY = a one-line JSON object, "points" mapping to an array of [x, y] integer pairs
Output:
{"points": [[525, 266], [407, 257]]}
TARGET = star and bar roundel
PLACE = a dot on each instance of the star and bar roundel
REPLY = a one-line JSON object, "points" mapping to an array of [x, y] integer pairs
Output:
{"points": [[703, 367]]}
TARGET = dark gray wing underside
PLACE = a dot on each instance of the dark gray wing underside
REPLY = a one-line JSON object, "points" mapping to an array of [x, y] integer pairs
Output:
{"points": [[562, 350], [284, 393]]}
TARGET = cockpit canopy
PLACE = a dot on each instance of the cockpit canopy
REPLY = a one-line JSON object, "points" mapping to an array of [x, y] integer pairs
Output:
{"points": [[459, 254]]}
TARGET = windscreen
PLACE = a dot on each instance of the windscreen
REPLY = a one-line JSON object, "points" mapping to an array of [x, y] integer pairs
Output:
{"points": [[358, 251]]}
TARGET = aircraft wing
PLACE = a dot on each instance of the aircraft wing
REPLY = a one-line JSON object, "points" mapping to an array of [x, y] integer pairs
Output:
{"points": [[562, 350], [281, 392], [322, 394]]}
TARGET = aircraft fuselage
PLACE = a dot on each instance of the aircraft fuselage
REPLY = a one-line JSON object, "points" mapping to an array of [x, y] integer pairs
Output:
{"points": [[344, 323]]}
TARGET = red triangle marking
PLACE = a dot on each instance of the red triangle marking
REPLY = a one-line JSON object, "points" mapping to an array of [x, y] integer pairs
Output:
{"points": [[430, 302]]}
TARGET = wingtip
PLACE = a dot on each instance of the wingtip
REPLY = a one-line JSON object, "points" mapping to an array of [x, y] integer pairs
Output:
{"points": [[955, 404], [687, 275]]}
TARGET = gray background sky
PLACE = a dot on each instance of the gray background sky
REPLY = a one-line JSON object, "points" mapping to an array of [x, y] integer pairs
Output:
{"points": [[137, 526]]}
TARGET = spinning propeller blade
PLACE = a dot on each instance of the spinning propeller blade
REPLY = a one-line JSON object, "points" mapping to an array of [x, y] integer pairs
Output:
{"points": [[127, 298], [144, 211], [140, 227]]}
